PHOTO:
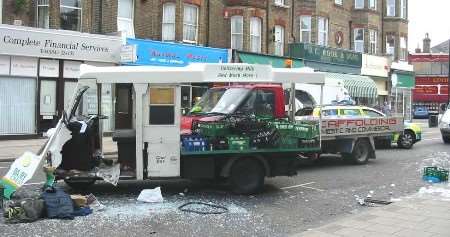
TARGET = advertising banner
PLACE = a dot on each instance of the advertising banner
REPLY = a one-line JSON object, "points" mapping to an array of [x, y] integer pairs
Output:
{"points": [[358, 126]]}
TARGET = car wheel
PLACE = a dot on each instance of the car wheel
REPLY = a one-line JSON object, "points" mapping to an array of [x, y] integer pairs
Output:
{"points": [[360, 153], [406, 140], [446, 139], [80, 184], [247, 176]]}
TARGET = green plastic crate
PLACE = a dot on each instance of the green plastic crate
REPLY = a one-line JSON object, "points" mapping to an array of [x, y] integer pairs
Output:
{"points": [[284, 128], [214, 129], [433, 171], [288, 142], [306, 131], [238, 142]]}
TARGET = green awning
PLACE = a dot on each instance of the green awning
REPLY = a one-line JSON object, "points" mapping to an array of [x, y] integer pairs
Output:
{"points": [[277, 62], [357, 86]]}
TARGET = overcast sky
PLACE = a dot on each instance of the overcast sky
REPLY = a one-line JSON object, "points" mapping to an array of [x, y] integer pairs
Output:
{"points": [[432, 16]]}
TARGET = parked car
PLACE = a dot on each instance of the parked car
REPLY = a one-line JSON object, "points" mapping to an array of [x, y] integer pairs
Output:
{"points": [[412, 132], [421, 112], [444, 125]]}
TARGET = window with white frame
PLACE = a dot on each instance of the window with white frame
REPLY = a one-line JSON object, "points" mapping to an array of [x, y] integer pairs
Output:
{"points": [[255, 35], [403, 9], [373, 4], [237, 32], [70, 15], [323, 31], [168, 22], [125, 14], [390, 45], [358, 40], [373, 41], [359, 4], [403, 49], [190, 23], [42, 14], [338, 2], [390, 8], [279, 2], [305, 29], [279, 40]]}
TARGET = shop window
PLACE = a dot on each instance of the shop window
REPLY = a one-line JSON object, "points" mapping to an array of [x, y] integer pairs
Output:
{"points": [[190, 23], [323, 31], [125, 11], [373, 40], [305, 29], [373, 4], [168, 22], [162, 106], [279, 2], [403, 9], [390, 8], [359, 4], [358, 40], [70, 15], [255, 35], [42, 14], [279, 40], [390, 45], [237, 32], [403, 49], [338, 2]]}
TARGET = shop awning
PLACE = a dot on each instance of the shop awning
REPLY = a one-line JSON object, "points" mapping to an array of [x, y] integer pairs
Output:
{"points": [[357, 86], [277, 62]]}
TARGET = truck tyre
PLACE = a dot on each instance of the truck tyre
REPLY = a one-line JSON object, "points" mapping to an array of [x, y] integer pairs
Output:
{"points": [[446, 139], [360, 153], [406, 140], [246, 176], [80, 184]]}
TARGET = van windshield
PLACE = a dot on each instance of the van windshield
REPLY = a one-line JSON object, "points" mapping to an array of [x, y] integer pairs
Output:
{"points": [[220, 101]]}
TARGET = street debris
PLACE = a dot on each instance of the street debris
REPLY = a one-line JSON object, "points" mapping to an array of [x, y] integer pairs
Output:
{"points": [[203, 208], [151, 195]]}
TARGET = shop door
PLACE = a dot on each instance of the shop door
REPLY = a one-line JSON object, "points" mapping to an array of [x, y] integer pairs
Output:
{"points": [[123, 106], [17, 106]]}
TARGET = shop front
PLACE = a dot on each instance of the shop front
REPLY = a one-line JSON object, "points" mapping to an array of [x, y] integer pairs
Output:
{"points": [[403, 82], [377, 68], [341, 65], [430, 92], [38, 74], [157, 53]]}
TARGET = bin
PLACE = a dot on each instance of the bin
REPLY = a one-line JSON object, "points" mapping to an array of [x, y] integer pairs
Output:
{"points": [[126, 146], [433, 121]]}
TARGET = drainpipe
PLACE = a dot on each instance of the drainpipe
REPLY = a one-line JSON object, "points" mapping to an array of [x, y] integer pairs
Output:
{"points": [[268, 31], [207, 22], [292, 21], [350, 31], [100, 27]]}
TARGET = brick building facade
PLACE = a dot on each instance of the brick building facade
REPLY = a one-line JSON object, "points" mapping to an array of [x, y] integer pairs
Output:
{"points": [[377, 27]]}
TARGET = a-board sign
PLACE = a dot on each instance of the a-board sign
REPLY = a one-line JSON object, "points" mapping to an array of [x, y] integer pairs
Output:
{"points": [[358, 126]]}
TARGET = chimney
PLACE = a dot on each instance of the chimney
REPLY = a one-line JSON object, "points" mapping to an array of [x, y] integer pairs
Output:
{"points": [[426, 44], [418, 50]]}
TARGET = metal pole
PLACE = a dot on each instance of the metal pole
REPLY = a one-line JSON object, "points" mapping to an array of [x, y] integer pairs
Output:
{"points": [[448, 80], [292, 101], [320, 116]]}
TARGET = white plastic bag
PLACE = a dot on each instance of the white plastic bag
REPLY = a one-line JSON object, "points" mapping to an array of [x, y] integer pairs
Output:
{"points": [[151, 195]]}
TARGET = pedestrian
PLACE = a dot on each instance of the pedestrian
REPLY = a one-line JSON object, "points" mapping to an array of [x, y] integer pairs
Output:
{"points": [[386, 110]]}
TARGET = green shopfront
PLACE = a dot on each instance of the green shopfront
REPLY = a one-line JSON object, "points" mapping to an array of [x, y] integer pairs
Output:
{"points": [[403, 81], [339, 64], [274, 61]]}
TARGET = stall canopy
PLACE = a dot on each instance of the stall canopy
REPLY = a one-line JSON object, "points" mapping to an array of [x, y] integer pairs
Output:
{"points": [[275, 61], [357, 86]]}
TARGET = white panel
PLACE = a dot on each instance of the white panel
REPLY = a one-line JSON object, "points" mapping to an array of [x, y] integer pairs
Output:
{"points": [[48, 98], [17, 105], [5, 62], [71, 69], [24, 66], [69, 89], [107, 107], [48, 68]]}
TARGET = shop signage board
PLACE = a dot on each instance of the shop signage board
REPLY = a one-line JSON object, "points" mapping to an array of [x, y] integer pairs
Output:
{"points": [[128, 54], [431, 80], [374, 66], [174, 54], [402, 80], [48, 68], [24, 66], [5, 62], [323, 54], [338, 127], [45, 43], [71, 69]]}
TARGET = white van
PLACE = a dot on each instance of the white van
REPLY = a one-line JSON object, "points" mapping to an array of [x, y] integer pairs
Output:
{"points": [[444, 125]]}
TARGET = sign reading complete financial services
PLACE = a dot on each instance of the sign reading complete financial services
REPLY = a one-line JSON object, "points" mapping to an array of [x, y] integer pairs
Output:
{"points": [[34, 42], [322, 54]]}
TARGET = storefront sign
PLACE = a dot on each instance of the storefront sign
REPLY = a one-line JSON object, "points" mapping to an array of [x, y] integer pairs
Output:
{"points": [[401, 80], [48, 68], [128, 54], [431, 80], [71, 69], [426, 90], [325, 55], [374, 66], [333, 127], [15, 40], [5, 62], [24, 66], [175, 55]]}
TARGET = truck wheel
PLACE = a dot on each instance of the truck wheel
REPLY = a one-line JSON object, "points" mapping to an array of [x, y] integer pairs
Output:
{"points": [[446, 139], [247, 176], [80, 184], [406, 140], [360, 153]]}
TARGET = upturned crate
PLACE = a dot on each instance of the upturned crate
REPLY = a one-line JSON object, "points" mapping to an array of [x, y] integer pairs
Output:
{"points": [[433, 171]]}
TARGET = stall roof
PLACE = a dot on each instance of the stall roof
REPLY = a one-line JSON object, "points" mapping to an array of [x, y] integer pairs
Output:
{"points": [[201, 73]]}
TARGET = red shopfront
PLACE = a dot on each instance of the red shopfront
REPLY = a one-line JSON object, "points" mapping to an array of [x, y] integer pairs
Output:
{"points": [[430, 91]]}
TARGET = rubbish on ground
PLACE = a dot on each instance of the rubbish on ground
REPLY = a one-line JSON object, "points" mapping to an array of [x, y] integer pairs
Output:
{"points": [[93, 203], [370, 200], [151, 195], [24, 211], [58, 203], [203, 208], [79, 200], [434, 174], [360, 200], [392, 185], [110, 174], [82, 211]]}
